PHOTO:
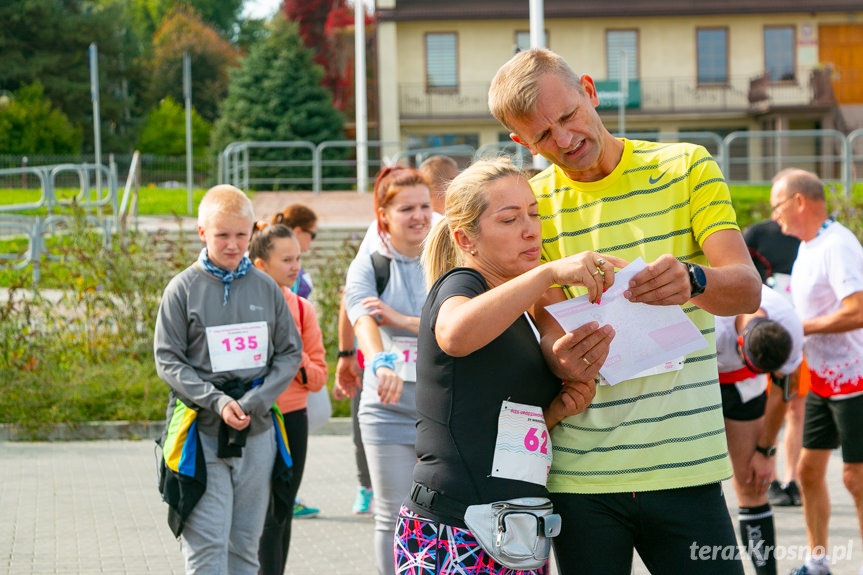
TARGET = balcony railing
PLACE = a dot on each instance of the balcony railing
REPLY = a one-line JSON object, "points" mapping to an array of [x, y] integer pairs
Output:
{"points": [[651, 95]]}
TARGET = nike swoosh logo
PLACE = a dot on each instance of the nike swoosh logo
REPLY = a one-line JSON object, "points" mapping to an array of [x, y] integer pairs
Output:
{"points": [[653, 181]]}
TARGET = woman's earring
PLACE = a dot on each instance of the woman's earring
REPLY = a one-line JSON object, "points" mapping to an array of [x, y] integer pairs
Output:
{"points": [[473, 252]]}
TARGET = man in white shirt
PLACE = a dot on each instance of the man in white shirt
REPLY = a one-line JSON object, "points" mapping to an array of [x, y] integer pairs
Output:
{"points": [[827, 288]]}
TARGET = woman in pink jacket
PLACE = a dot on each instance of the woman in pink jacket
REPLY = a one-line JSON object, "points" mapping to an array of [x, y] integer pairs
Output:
{"points": [[275, 250]]}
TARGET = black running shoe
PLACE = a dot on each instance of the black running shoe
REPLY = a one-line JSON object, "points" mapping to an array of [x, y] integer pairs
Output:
{"points": [[793, 493], [777, 496]]}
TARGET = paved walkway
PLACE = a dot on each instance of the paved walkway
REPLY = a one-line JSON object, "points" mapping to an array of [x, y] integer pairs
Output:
{"points": [[81, 508], [332, 208]]}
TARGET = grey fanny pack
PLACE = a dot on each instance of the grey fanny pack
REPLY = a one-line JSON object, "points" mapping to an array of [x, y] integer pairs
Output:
{"points": [[516, 532]]}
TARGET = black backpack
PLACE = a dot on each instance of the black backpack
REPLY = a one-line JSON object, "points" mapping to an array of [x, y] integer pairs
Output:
{"points": [[381, 265]]}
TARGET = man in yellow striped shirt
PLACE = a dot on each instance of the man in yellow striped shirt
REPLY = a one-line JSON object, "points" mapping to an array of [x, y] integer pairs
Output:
{"points": [[641, 467]]}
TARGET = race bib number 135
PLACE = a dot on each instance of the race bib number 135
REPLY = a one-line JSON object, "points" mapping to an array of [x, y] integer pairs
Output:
{"points": [[238, 346]]}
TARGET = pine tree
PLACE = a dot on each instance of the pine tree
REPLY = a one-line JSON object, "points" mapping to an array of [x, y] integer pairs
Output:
{"points": [[276, 95]]}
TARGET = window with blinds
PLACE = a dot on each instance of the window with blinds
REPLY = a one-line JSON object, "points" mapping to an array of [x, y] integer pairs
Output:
{"points": [[712, 54], [779, 52], [617, 43], [441, 61]]}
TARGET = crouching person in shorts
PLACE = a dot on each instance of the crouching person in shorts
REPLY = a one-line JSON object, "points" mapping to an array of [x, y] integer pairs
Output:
{"points": [[227, 346], [748, 348]]}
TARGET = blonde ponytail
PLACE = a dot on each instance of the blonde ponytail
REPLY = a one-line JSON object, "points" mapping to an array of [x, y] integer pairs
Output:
{"points": [[440, 253]]}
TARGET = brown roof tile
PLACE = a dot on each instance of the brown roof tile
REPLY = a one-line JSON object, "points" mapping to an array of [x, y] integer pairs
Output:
{"points": [[418, 10]]}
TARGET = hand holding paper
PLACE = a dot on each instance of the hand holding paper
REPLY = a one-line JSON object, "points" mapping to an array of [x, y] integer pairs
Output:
{"points": [[588, 269], [662, 282], [587, 342], [647, 336]]}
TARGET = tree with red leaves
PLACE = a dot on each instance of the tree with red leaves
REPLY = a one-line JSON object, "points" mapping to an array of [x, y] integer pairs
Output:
{"points": [[327, 28]]}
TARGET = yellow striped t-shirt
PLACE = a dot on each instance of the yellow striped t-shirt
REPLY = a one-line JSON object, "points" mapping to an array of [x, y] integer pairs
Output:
{"points": [[663, 431]]}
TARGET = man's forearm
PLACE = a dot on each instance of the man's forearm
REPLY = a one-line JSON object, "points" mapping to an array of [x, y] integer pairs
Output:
{"points": [[839, 321], [731, 290]]}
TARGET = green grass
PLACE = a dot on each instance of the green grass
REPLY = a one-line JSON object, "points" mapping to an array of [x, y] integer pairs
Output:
{"points": [[151, 200], [9, 196]]}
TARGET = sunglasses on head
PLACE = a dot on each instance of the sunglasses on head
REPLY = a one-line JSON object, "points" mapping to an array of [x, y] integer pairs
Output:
{"points": [[311, 233]]}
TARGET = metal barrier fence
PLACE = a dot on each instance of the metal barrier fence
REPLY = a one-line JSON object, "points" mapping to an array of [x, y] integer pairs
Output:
{"points": [[159, 171], [746, 157], [96, 192]]}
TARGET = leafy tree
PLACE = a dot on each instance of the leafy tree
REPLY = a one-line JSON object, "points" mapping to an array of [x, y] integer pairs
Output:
{"points": [[211, 56], [311, 17], [48, 40], [165, 130], [222, 15], [29, 124], [326, 27], [276, 95]]}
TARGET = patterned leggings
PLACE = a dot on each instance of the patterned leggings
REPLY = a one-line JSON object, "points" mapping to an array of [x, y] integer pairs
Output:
{"points": [[425, 547]]}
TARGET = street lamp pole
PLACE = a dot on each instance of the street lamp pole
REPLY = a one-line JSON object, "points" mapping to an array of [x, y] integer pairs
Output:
{"points": [[97, 121], [187, 95], [360, 95], [537, 40]]}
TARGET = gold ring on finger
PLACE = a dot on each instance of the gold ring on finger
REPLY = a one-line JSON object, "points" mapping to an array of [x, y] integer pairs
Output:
{"points": [[597, 272], [585, 360]]}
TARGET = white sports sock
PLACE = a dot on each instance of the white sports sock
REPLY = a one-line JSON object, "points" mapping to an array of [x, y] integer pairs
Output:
{"points": [[818, 564]]}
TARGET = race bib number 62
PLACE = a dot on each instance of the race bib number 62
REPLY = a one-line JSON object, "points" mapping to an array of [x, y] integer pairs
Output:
{"points": [[523, 449]]}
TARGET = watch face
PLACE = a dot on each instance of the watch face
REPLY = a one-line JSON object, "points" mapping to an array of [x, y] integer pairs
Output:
{"points": [[700, 276], [697, 279]]}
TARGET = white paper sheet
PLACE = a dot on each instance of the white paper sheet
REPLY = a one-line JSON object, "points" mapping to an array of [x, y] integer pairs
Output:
{"points": [[646, 336]]}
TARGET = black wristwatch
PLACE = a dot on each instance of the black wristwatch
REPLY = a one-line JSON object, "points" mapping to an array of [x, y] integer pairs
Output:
{"points": [[346, 352], [697, 279], [769, 451]]}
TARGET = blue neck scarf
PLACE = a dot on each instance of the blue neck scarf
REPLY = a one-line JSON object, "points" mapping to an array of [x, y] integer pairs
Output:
{"points": [[226, 276]]}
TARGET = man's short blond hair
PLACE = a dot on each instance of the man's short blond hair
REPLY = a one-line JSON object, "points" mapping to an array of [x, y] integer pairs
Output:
{"points": [[439, 170], [225, 200], [514, 88], [798, 181]]}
